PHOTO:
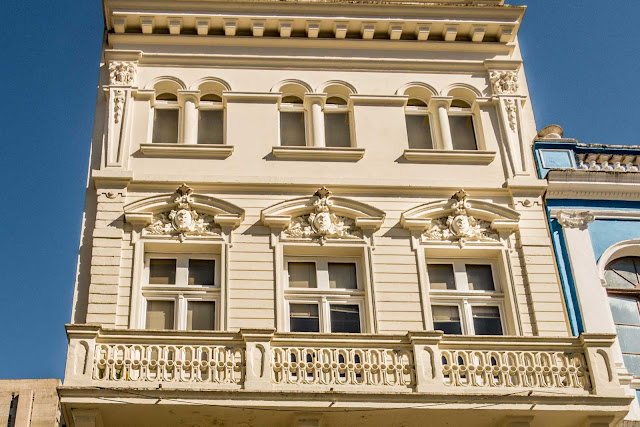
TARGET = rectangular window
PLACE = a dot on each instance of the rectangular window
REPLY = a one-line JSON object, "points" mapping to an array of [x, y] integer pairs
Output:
{"points": [[342, 276], [446, 318], [160, 314], [419, 132], [211, 127], [165, 126], [336, 130], [345, 318], [292, 131], [465, 297], [486, 320], [201, 272], [181, 291], [441, 276], [626, 316], [162, 271], [201, 315], [479, 277], [463, 134], [302, 275], [324, 294], [304, 318]]}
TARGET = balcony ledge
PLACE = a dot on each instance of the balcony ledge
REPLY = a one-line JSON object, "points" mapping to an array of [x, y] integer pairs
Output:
{"points": [[471, 157], [336, 154], [204, 151]]}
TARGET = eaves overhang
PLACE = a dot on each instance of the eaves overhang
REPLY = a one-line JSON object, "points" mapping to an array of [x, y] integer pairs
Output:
{"points": [[601, 185]]}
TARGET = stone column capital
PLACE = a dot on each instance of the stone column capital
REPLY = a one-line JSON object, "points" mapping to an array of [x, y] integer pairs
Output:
{"points": [[574, 219]]}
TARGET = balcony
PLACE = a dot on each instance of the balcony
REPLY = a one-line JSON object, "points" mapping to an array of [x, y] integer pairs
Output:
{"points": [[261, 360]]}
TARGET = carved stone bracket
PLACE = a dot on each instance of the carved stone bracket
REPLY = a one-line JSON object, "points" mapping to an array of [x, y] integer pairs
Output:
{"points": [[573, 219], [504, 82], [322, 223], [122, 73], [460, 226], [183, 220]]}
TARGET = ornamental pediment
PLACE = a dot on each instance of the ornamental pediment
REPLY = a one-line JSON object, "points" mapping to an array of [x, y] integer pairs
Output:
{"points": [[183, 215], [460, 220], [323, 217]]}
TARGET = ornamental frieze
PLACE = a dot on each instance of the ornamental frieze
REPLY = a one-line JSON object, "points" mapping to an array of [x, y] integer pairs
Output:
{"points": [[183, 220], [322, 224], [460, 226]]}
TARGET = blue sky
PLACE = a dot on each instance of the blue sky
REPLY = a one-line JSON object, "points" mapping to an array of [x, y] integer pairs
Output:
{"points": [[582, 66]]}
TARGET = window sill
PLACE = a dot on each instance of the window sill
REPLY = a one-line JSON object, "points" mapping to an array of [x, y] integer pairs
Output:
{"points": [[206, 151], [338, 154], [475, 157]]}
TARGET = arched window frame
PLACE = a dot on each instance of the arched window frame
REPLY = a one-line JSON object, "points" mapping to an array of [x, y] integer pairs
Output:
{"points": [[161, 104], [343, 108], [292, 107], [463, 112], [422, 111], [208, 105]]}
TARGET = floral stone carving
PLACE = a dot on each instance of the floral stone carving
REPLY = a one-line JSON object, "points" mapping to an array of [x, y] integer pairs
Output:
{"points": [[504, 82], [322, 224], [460, 226], [580, 220], [183, 220], [122, 73]]}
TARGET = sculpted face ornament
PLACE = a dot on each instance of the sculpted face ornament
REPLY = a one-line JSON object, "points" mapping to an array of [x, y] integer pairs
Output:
{"points": [[460, 226], [322, 224], [184, 220]]}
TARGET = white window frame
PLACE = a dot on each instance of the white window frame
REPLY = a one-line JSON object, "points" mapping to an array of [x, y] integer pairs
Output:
{"points": [[323, 295], [213, 106], [288, 107], [464, 298], [412, 110], [167, 105], [180, 292], [466, 112], [334, 108]]}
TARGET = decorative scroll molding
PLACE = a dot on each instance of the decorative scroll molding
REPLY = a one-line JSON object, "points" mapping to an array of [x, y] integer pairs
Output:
{"points": [[460, 226], [510, 109], [504, 82], [322, 223], [183, 220], [573, 219], [118, 105], [122, 73]]}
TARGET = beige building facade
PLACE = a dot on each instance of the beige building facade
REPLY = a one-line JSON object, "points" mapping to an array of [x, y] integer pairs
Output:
{"points": [[30, 403], [288, 203]]}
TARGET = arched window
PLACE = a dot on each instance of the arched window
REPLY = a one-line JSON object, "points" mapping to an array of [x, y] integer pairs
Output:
{"points": [[210, 119], [292, 125], [166, 117], [336, 122], [622, 277], [418, 124], [463, 134]]}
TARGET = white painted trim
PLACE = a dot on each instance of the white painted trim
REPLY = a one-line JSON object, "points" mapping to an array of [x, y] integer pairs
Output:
{"points": [[599, 213]]}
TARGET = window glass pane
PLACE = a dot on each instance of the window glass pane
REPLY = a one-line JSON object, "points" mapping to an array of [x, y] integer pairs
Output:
{"points": [[345, 318], [292, 99], [462, 133], [304, 318], [441, 276], [419, 132], [486, 320], [211, 127], [336, 130], [342, 276], [622, 273], [632, 362], [480, 277], [302, 275], [159, 314], [292, 129], [165, 126], [625, 310], [201, 271], [447, 319], [629, 337], [162, 271], [200, 315]]}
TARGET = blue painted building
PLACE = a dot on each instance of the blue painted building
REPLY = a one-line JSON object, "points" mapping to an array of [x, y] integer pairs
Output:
{"points": [[593, 210]]}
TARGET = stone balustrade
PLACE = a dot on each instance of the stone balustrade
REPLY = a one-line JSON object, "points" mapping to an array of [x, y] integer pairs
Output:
{"points": [[261, 360], [608, 162]]}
